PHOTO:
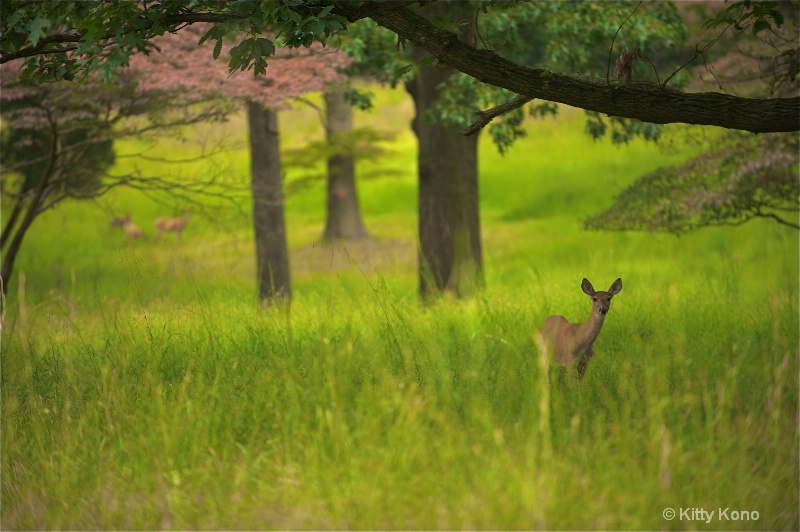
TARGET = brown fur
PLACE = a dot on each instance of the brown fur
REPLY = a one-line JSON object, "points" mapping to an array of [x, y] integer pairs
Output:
{"points": [[175, 225], [132, 231], [119, 221]]}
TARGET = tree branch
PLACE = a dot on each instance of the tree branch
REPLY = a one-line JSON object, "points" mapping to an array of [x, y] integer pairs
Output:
{"points": [[639, 100], [777, 218], [484, 117]]}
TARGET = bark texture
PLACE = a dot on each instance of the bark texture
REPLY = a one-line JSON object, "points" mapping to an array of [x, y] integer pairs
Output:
{"points": [[343, 220], [272, 255]]}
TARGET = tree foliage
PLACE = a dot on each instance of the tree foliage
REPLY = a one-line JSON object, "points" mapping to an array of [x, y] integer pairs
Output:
{"points": [[531, 34], [61, 39], [362, 144], [758, 55], [740, 178], [39, 118], [64, 39], [181, 63], [579, 39]]}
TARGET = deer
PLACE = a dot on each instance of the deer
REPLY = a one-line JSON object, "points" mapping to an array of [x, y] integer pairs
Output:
{"points": [[572, 344], [132, 231], [176, 225], [119, 221]]}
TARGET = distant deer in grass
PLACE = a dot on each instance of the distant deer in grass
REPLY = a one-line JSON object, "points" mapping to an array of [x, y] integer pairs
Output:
{"points": [[175, 225], [119, 221], [132, 231], [572, 344]]}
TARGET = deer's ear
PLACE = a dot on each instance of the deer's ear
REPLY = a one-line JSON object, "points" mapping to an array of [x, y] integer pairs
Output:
{"points": [[616, 287], [587, 287]]}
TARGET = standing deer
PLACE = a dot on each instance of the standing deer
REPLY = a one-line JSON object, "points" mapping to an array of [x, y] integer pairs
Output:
{"points": [[133, 231], [572, 344], [176, 225], [119, 221]]}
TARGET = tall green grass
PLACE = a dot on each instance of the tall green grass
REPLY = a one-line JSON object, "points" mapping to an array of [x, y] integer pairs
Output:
{"points": [[379, 413], [143, 387]]}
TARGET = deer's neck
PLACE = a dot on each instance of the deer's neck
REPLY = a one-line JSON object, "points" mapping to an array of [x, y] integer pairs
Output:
{"points": [[590, 329]]}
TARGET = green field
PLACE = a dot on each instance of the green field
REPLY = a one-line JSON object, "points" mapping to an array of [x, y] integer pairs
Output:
{"points": [[143, 387]]}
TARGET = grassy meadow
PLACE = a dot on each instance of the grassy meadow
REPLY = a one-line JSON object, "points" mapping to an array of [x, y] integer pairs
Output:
{"points": [[144, 388]]}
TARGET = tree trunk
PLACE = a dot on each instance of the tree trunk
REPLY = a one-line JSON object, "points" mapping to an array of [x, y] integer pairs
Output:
{"points": [[12, 222], [53, 173], [15, 243], [272, 255], [343, 219], [449, 221]]}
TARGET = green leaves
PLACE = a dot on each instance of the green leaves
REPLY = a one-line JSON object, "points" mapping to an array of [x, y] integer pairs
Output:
{"points": [[251, 53], [361, 99], [217, 49], [622, 130], [298, 31], [362, 144], [101, 36], [13, 19], [744, 14]]}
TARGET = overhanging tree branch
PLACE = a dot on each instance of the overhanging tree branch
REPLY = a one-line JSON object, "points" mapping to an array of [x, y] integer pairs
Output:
{"points": [[640, 100]]}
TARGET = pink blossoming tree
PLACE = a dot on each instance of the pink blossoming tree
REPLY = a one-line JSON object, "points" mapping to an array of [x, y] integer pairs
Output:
{"points": [[181, 63]]}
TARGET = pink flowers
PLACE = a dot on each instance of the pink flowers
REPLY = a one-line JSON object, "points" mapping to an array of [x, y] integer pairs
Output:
{"points": [[181, 62]]}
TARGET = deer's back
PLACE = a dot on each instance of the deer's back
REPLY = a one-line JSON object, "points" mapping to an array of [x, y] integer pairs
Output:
{"points": [[170, 224], [559, 338]]}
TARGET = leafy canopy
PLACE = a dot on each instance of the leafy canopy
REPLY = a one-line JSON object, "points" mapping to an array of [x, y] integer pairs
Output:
{"points": [[96, 35]]}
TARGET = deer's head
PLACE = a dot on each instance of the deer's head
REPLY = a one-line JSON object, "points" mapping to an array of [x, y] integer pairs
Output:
{"points": [[601, 301]]}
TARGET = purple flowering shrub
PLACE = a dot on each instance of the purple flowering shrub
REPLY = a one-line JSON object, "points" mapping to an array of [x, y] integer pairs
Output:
{"points": [[744, 176]]}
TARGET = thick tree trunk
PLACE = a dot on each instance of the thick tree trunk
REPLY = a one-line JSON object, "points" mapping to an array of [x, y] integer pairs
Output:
{"points": [[449, 221], [272, 255], [343, 219]]}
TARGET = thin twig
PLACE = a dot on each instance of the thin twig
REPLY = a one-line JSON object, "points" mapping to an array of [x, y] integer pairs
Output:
{"points": [[478, 30], [710, 70], [319, 110], [702, 51], [658, 80]]}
